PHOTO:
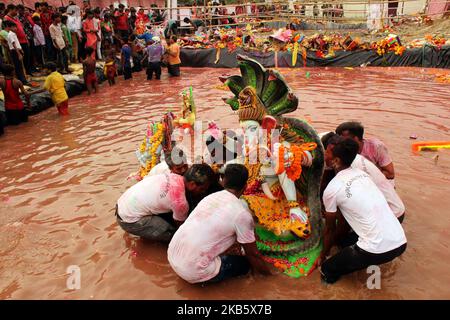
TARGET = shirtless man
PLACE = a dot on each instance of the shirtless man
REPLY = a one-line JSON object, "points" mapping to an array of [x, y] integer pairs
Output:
{"points": [[90, 78]]}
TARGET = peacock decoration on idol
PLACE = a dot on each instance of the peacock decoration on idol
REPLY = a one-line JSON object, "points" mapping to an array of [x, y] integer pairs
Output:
{"points": [[283, 190]]}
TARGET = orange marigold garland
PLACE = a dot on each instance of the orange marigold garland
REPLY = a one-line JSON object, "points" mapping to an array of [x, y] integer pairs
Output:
{"points": [[294, 171], [280, 165]]}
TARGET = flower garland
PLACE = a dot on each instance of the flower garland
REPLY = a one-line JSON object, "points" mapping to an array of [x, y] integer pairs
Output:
{"points": [[390, 43], [254, 170], [154, 142], [435, 40], [285, 264], [296, 155], [295, 170]]}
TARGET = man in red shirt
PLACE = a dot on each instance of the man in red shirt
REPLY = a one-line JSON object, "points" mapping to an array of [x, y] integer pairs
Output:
{"points": [[46, 22], [121, 23], [11, 15], [24, 17], [11, 87]]}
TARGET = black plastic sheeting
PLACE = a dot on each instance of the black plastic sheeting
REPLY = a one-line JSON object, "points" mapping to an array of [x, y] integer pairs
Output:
{"points": [[427, 57], [42, 101]]}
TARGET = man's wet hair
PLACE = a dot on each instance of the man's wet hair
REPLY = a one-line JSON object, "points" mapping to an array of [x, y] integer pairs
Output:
{"points": [[346, 150], [326, 138], [7, 69], [55, 16], [36, 19], [200, 174], [356, 129], [236, 176], [51, 66], [331, 138], [175, 157]]}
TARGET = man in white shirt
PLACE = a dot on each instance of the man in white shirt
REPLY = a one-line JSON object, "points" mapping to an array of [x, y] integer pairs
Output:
{"points": [[380, 235], [73, 9], [154, 207], [15, 50], [74, 26], [360, 162], [197, 250], [38, 41], [13, 41]]}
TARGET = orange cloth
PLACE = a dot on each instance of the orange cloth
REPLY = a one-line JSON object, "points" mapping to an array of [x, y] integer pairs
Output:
{"points": [[174, 49], [91, 37]]}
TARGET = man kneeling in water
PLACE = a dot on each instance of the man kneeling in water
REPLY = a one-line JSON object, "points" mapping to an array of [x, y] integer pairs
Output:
{"points": [[360, 162], [196, 251], [146, 209], [380, 236]]}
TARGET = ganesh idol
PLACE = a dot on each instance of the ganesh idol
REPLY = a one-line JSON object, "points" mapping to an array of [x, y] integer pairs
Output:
{"points": [[284, 157]]}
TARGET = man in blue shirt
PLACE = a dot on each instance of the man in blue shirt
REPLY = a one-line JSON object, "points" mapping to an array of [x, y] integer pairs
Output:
{"points": [[125, 59], [147, 35], [154, 52]]}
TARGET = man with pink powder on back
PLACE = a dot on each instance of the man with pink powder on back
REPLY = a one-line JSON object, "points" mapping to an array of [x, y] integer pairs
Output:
{"points": [[372, 149], [197, 251], [154, 207]]}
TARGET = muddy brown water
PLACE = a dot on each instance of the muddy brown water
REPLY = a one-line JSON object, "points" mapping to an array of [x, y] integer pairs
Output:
{"points": [[60, 178]]}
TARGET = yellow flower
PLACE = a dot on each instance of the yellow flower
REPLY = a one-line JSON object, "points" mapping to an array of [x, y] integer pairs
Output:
{"points": [[154, 142]]}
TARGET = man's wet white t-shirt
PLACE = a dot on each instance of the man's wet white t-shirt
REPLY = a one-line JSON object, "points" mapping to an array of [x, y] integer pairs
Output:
{"points": [[154, 195], [385, 186], [366, 210], [216, 224]]}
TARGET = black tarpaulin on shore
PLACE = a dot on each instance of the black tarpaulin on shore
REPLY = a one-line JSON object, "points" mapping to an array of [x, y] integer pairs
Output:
{"points": [[427, 56], [43, 100]]}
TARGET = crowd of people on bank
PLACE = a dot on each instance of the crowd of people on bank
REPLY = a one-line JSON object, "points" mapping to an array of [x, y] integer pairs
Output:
{"points": [[47, 40], [62, 35], [210, 231]]}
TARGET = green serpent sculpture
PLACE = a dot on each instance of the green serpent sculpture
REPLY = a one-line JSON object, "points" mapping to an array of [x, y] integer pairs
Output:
{"points": [[284, 191]]}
